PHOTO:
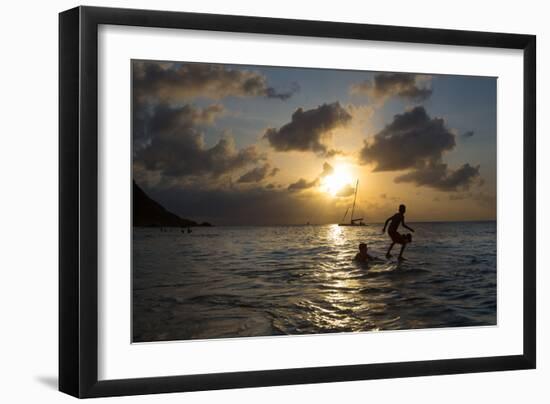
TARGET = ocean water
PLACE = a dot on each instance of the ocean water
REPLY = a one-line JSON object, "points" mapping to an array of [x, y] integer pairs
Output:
{"points": [[224, 282]]}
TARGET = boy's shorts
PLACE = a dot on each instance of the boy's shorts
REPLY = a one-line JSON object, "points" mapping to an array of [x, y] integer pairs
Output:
{"points": [[400, 238]]}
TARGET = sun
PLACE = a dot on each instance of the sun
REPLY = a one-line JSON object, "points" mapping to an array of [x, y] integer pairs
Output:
{"points": [[337, 180]]}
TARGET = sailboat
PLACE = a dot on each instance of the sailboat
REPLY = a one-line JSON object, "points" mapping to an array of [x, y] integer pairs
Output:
{"points": [[352, 222]]}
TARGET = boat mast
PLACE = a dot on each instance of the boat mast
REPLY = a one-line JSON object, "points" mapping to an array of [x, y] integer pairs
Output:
{"points": [[354, 198], [345, 214]]}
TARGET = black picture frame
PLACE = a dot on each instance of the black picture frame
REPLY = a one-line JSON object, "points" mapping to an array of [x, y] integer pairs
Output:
{"points": [[78, 201]]}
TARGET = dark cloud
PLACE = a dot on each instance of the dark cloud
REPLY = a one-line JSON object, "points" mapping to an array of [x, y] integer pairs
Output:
{"points": [[282, 95], [161, 119], [308, 129], [417, 142], [173, 82], [334, 152], [411, 138], [302, 183], [258, 174], [168, 136], [166, 119], [176, 146], [468, 134], [386, 85], [440, 177]]}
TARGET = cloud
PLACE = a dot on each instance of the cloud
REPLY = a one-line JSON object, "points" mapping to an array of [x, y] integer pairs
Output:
{"points": [[483, 198], [391, 198], [327, 170], [346, 191], [247, 206], [440, 177], [302, 183], [334, 152], [412, 138], [162, 119], [166, 119], [387, 85], [308, 130], [176, 146], [283, 95], [174, 82], [225, 204], [258, 174], [414, 141]]}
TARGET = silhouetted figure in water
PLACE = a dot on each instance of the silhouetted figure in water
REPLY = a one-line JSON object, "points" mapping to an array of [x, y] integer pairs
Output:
{"points": [[403, 239], [363, 256]]}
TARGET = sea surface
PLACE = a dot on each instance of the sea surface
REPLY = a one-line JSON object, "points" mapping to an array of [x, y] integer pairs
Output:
{"points": [[223, 282]]}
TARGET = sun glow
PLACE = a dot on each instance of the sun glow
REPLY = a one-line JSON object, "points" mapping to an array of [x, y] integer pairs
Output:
{"points": [[337, 181]]}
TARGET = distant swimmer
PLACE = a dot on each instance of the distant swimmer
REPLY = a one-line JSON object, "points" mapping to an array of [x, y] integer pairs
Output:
{"points": [[403, 239], [363, 256]]}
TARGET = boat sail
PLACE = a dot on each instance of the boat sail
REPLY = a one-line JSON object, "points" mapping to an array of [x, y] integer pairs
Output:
{"points": [[352, 222]]}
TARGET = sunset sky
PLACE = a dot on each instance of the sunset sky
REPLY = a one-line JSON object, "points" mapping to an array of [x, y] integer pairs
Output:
{"points": [[256, 145]]}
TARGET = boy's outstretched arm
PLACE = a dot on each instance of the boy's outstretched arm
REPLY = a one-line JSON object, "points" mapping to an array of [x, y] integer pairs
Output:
{"points": [[405, 226]]}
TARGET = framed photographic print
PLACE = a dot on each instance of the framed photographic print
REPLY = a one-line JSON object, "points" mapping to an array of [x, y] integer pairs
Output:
{"points": [[251, 201]]}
